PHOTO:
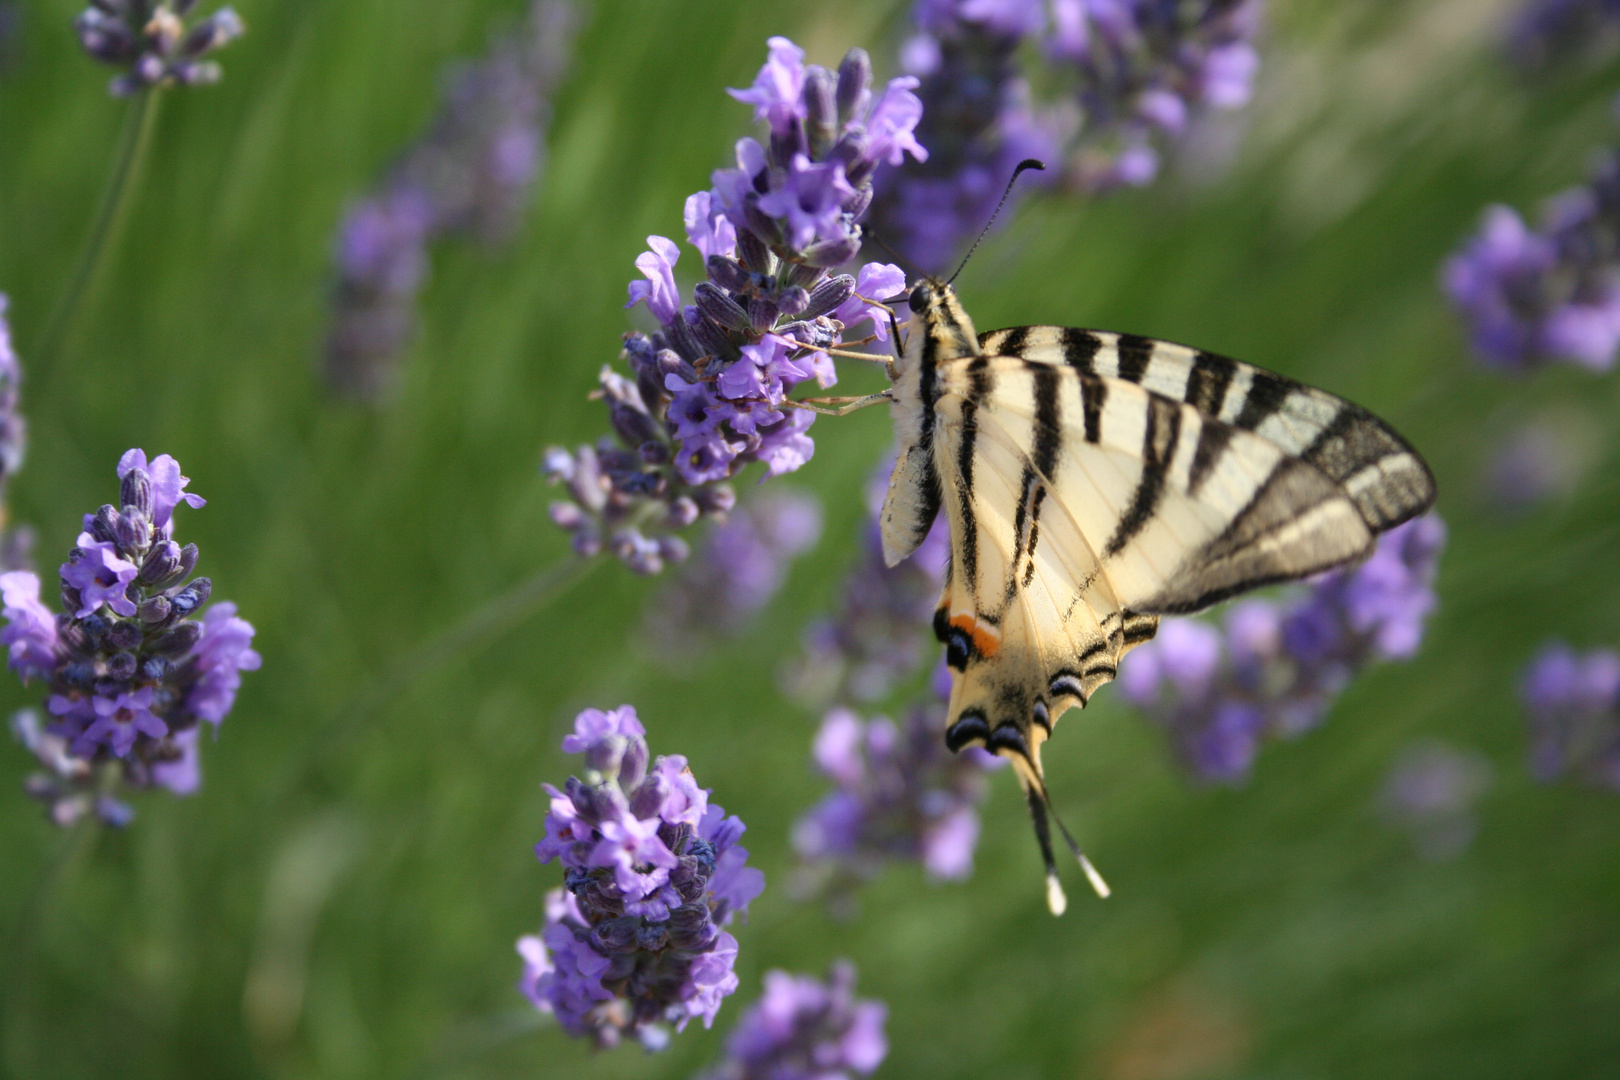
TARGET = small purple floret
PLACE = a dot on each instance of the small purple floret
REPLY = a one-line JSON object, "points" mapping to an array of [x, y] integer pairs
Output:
{"points": [[804, 1029], [1574, 704]]}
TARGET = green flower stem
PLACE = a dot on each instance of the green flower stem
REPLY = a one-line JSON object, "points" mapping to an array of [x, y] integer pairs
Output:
{"points": [[138, 124]]}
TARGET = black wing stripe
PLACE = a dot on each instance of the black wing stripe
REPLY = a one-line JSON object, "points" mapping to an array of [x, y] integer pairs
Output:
{"points": [[1213, 437], [1160, 435], [1093, 396], [1134, 354], [1207, 382], [1080, 349], [1267, 393]]}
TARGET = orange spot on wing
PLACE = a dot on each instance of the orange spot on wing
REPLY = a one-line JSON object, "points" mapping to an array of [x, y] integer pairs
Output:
{"points": [[986, 639]]}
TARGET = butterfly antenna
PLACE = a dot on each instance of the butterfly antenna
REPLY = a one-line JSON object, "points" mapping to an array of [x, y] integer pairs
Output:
{"points": [[1027, 163]]}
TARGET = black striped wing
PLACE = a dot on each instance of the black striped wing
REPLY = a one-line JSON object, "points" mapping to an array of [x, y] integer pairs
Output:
{"points": [[1095, 481]]}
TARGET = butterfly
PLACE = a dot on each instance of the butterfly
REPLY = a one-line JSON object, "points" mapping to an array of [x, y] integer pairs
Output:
{"points": [[1094, 482]]}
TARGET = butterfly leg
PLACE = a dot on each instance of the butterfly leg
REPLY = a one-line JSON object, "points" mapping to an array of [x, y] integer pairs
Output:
{"points": [[845, 405]]}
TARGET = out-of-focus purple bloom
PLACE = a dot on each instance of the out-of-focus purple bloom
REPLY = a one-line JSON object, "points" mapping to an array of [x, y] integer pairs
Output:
{"points": [[653, 871], [710, 393], [900, 794], [1574, 704], [804, 1029], [65, 786], [736, 572], [470, 175], [13, 432], [1278, 666], [151, 41], [880, 635], [1535, 296], [129, 672], [1543, 33], [1431, 792]]}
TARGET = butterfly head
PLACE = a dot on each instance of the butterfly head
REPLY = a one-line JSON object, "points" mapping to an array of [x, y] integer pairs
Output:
{"points": [[938, 325]]}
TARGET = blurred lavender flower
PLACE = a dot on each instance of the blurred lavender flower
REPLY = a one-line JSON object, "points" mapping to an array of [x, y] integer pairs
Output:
{"points": [[803, 1029], [1431, 792], [900, 795], [1278, 666], [710, 385], [1543, 33], [471, 175], [1539, 460], [11, 23], [1574, 705], [1531, 297], [130, 672], [633, 940], [13, 431], [978, 124], [740, 567], [1145, 69], [151, 41], [881, 633]]}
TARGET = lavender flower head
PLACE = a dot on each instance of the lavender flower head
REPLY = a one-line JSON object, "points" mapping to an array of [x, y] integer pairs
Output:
{"points": [[803, 1029], [1278, 666], [881, 633], [13, 432], [1535, 296], [471, 175], [899, 794], [1544, 33], [1430, 792], [710, 389], [742, 565], [151, 41], [1574, 704], [978, 123], [130, 668], [653, 872], [1145, 69]]}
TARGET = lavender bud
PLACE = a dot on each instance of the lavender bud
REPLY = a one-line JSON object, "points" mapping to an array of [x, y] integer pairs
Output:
{"points": [[164, 30], [615, 935], [690, 927], [652, 936], [714, 341], [854, 83], [154, 610], [136, 491], [566, 515], [134, 531], [821, 110], [756, 256], [762, 313], [672, 549], [220, 28], [654, 452], [828, 295], [793, 300], [156, 667], [121, 665], [761, 224], [587, 544], [681, 339], [178, 640], [633, 766], [632, 426], [681, 513], [70, 596], [188, 560], [669, 363], [121, 635], [803, 276], [161, 564], [586, 483], [830, 253], [605, 754], [93, 626], [716, 500], [857, 203], [714, 303], [192, 597], [104, 526], [649, 795], [728, 274]]}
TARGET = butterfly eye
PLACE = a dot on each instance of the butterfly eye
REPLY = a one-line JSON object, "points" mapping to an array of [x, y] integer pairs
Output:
{"points": [[921, 297]]}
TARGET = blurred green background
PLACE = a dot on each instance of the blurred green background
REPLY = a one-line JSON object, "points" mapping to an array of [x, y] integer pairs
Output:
{"points": [[342, 900]]}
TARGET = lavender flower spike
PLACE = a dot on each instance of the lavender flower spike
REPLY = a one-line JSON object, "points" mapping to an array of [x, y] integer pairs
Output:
{"points": [[1277, 667], [471, 175], [711, 385], [151, 41], [129, 671], [1574, 704], [16, 542], [634, 940], [1535, 296], [803, 1029]]}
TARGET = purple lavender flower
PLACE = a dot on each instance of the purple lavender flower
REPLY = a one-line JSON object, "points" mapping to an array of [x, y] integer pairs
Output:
{"points": [[711, 386], [13, 432], [1144, 69], [150, 40], [880, 635], [1574, 704], [1540, 460], [743, 564], [129, 672], [803, 1029], [66, 785], [1531, 297], [471, 175], [900, 794], [1431, 792], [1277, 667], [1542, 33], [653, 872], [978, 123]]}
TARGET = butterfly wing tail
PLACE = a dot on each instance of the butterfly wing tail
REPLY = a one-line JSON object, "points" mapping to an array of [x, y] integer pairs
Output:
{"points": [[1042, 816]]}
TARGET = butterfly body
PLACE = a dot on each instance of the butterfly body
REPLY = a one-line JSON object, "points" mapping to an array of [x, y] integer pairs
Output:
{"points": [[1094, 481]]}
